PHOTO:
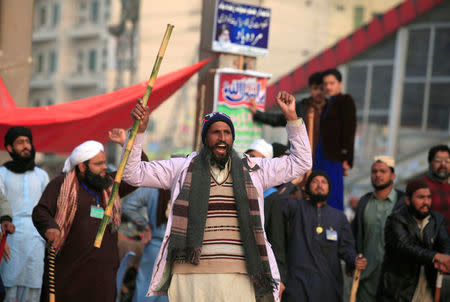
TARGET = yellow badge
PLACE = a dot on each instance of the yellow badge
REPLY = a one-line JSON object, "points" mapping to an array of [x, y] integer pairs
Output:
{"points": [[319, 230]]}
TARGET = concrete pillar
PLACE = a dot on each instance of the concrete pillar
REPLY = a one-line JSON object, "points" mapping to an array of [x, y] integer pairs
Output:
{"points": [[397, 89]]}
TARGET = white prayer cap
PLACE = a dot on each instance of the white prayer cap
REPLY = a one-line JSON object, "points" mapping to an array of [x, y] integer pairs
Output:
{"points": [[81, 153], [262, 147], [388, 160]]}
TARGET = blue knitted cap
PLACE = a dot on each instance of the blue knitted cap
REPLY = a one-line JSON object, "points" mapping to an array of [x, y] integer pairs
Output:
{"points": [[213, 117]]}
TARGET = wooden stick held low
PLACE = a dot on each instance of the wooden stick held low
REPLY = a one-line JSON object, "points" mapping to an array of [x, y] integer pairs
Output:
{"points": [[437, 293], [133, 132], [310, 130], [51, 274], [355, 285]]}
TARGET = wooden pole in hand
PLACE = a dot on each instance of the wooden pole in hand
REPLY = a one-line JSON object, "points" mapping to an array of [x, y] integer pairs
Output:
{"points": [[51, 274], [437, 293], [133, 132], [200, 117], [309, 123], [355, 285], [310, 129]]}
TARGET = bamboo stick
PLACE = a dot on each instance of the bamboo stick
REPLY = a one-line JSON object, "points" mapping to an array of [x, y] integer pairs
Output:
{"points": [[200, 116], [133, 132], [51, 274]]}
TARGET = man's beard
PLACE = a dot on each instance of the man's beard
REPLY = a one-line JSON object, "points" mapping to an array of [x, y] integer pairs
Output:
{"points": [[316, 198], [219, 162], [21, 164], [416, 213], [382, 186], [96, 181], [441, 175], [17, 156]]}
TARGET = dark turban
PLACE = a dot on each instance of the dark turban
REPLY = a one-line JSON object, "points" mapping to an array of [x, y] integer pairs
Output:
{"points": [[15, 132]]}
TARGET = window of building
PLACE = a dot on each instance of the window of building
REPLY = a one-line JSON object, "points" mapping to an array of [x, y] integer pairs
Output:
{"points": [[380, 94], [55, 15], [416, 61], [42, 16], [94, 12], [427, 78], [441, 63], [412, 105], [358, 16], [92, 60], [356, 85], [50, 101], [369, 83], [439, 107], [104, 58], [40, 63], [82, 17], [36, 103], [80, 61], [52, 61]]}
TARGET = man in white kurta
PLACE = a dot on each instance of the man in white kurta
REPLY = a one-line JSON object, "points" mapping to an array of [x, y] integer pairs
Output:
{"points": [[22, 183]]}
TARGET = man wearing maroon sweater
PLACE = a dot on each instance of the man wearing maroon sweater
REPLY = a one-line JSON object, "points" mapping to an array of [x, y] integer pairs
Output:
{"points": [[438, 180]]}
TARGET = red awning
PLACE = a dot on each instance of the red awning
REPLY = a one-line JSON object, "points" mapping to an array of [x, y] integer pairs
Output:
{"points": [[59, 128]]}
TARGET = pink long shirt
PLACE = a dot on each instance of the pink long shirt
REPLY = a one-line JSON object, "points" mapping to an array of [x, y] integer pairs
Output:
{"points": [[170, 174]]}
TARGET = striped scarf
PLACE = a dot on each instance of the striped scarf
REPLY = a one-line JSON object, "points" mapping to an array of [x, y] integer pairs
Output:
{"points": [[189, 218], [67, 205]]}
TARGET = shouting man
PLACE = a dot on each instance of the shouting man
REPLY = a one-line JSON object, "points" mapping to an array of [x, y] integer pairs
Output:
{"points": [[214, 241]]}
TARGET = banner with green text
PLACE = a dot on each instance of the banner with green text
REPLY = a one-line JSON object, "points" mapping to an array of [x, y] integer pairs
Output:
{"points": [[233, 92]]}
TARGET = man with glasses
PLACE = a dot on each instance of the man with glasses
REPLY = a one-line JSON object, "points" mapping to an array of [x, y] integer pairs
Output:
{"points": [[438, 180]]}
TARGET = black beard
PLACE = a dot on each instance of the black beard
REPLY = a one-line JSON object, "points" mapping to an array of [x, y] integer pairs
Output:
{"points": [[416, 213], [97, 182], [382, 186], [21, 164], [316, 198], [440, 177], [219, 162]]}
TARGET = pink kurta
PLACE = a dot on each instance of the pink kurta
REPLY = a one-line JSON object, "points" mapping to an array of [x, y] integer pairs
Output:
{"points": [[170, 174]]}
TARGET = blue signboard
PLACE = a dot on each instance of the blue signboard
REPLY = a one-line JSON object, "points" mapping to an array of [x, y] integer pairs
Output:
{"points": [[241, 29]]}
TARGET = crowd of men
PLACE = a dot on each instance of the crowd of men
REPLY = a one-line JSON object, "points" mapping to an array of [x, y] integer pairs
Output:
{"points": [[224, 226]]}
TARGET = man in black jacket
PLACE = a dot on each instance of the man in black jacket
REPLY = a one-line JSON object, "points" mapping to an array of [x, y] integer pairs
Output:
{"points": [[416, 246], [368, 226]]}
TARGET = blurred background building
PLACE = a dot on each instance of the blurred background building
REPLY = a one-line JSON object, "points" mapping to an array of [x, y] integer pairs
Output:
{"points": [[76, 56]]}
